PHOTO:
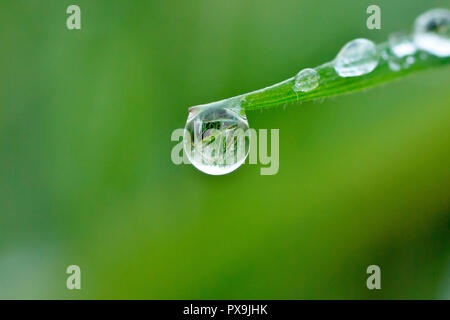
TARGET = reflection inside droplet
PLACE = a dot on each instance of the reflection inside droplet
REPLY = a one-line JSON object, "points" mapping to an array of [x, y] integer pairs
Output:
{"points": [[216, 139]]}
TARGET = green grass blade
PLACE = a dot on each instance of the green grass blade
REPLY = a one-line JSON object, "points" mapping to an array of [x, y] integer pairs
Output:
{"points": [[331, 84]]}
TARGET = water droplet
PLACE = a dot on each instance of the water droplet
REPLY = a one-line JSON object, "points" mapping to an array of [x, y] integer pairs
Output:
{"points": [[401, 44], [384, 55], [394, 66], [356, 58], [423, 56], [306, 80], [408, 62], [215, 137], [432, 32]]}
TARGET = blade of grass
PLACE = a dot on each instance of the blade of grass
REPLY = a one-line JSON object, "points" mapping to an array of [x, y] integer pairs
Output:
{"points": [[331, 84]]}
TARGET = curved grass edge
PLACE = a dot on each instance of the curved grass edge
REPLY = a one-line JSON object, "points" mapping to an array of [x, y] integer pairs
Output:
{"points": [[331, 84]]}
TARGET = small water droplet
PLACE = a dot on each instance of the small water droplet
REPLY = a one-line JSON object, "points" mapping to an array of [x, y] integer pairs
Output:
{"points": [[423, 56], [408, 62], [306, 80], [356, 58], [215, 137], [432, 32], [394, 66], [401, 44]]}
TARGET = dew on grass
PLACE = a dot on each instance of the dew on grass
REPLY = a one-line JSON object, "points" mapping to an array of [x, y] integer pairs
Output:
{"points": [[306, 80], [356, 58], [432, 32], [384, 55], [215, 137], [394, 66], [401, 44], [410, 60], [423, 56]]}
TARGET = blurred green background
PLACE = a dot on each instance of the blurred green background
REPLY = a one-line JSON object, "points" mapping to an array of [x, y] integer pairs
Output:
{"points": [[86, 176]]}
